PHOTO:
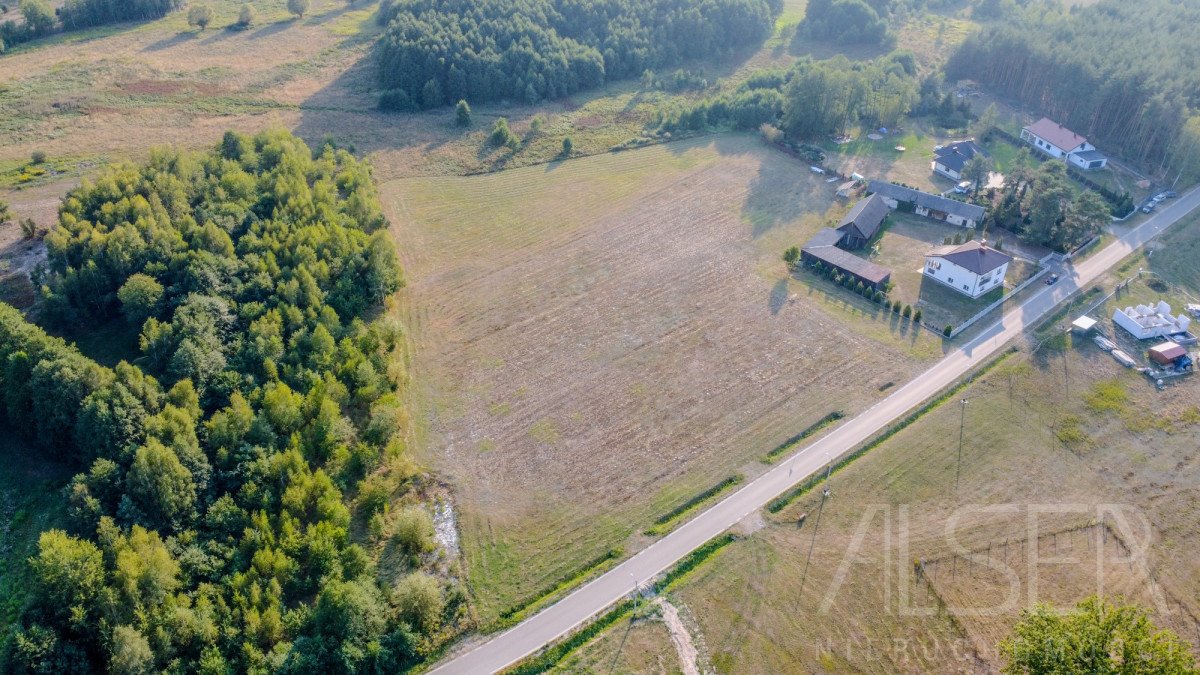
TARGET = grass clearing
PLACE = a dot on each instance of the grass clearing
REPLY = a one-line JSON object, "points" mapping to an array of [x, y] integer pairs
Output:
{"points": [[636, 302], [665, 523]]}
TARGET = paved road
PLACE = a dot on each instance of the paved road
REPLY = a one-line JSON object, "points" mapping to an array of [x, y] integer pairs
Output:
{"points": [[560, 618]]}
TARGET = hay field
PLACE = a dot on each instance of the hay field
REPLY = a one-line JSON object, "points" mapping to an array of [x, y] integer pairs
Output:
{"points": [[1059, 427], [597, 340]]}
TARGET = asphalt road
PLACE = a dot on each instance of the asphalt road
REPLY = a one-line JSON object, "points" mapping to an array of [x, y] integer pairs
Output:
{"points": [[557, 620]]}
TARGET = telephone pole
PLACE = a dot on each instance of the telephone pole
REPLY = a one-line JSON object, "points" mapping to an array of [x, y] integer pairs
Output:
{"points": [[962, 421], [816, 522]]}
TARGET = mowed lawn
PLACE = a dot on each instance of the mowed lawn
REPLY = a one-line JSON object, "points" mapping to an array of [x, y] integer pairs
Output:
{"points": [[598, 340]]}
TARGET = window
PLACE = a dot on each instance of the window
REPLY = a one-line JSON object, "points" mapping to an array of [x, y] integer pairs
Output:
{"points": [[951, 279]]}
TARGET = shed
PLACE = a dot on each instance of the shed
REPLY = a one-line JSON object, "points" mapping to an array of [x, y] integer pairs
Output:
{"points": [[1167, 353], [1083, 325]]}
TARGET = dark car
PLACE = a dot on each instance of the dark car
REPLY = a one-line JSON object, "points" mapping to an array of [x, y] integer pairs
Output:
{"points": [[1170, 194], [1051, 280]]}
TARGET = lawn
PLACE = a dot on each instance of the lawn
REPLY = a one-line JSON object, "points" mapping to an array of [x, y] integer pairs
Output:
{"points": [[598, 340]]}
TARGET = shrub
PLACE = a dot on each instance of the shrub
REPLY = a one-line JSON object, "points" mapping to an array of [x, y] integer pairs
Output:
{"points": [[948, 240], [419, 600], [887, 305], [298, 7], [536, 124], [567, 147], [917, 315], [877, 296], [896, 307], [947, 330], [791, 255], [29, 228], [245, 16], [396, 100], [462, 114], [502, 135], [37, 157], [907, 313], [200, 16], [412, 530]]}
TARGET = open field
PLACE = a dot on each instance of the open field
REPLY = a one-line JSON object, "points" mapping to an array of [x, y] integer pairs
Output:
{"points": [[1050, 435], [600, 339]]}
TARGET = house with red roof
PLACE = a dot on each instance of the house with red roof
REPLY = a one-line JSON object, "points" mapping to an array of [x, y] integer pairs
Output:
{"points": [[1060, 142]]}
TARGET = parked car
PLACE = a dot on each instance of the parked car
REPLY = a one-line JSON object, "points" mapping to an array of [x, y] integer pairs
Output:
{"points": [[1149, 207], [1052, 279], [1170, 194], [963, 187]]}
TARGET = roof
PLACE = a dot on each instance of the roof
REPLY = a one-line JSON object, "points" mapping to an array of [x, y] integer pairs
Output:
{"points": [[1056, 134], [826, 236], [865, 217], [1084, 323], [1090, 155], [848, 185], [929, 201], [955, 155], [849, 262], [974, 256], [1169, 350]]}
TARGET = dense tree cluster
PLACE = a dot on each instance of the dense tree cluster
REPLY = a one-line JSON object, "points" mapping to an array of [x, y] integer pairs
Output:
{"points": [[436, 52], [209, 531], [809, 100], [1114, 71], [1043, 206], [847, 21], [40, 19]]}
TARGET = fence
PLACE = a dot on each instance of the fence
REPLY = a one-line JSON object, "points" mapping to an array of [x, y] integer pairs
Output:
{"points": [[1109, 196], [986, 310]]}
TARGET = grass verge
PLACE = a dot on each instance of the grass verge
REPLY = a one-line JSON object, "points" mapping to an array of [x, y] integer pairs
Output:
{"points": [[790, 443], [668, 520], [551, 657], [784, 500], [517, 613]]}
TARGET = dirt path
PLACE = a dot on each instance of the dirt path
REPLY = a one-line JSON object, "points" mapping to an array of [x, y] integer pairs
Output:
{"points": [[681, 638]]}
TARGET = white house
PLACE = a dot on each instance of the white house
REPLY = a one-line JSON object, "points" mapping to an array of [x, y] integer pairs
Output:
{"points": [[929, 205], [973, 268], [949, 160], [1060, 142], [1146, 321]]}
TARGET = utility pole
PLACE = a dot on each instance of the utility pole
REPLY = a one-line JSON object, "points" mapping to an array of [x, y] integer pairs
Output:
{"points": [[962, 421], [816, 522]]}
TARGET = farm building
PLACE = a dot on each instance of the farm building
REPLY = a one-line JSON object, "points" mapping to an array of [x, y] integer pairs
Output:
{"points": [[848, 189], [863, 221], [823, 248], [949, 160], [929, 205], [973, 268], [1060, 142], [1145, 322]]}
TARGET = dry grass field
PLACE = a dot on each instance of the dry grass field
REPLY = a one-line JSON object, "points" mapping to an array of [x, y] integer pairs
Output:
{"points": [[1050, 436], [599, 339]]}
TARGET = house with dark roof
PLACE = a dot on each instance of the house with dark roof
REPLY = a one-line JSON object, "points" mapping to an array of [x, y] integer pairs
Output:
{"points": [[823, 248], [929, 205], [973, 268], [1060, 142], [863, 221], [949, 160]]}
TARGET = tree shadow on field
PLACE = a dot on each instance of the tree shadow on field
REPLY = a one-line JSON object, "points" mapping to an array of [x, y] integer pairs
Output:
{"points": [[782, 192], [171, 41], [778, 297]]}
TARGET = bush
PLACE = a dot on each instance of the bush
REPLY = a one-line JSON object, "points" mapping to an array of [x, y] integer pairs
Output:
{"points": [[29, 228], [37, 157], [396, 100], [419, 600], [567, 147], [896, 307], [791, 255], [947, 330], [412, 530], [907, 313], [462, 114], [917, 315], [200, 16], [298, 7], [502, 135], [245, 16]]}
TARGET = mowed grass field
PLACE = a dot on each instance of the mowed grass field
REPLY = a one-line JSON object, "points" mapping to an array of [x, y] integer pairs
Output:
{"points": [[1050, 435], [597, 340]]}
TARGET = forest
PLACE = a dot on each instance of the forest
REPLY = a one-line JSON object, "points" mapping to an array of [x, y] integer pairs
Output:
{"points": [[435, 52], [1122, 73], [40, 18], [219, 478]]}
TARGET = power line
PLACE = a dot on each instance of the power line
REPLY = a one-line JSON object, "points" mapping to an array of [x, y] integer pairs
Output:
{"points": [[816, 523]]}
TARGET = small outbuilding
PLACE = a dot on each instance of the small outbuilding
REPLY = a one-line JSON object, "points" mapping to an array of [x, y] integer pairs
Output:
{"points": [[823, 248], [863, 221], [1083, 325], [1168, 354]]}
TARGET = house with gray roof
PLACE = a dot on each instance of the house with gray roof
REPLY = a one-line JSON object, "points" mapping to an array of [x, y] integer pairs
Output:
{"points": [[823, 248], [973, 268], [929, 205], [949, 160]]}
